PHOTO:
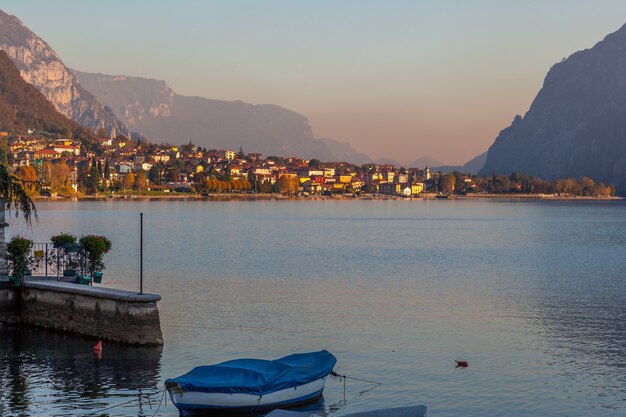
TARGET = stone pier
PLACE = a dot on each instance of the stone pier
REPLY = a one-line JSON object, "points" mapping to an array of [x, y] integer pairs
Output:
{"points": [[113, 315]]}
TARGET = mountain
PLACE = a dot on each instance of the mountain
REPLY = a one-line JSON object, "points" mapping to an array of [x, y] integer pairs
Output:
{"points": [[576, 126], [425, 161], [472, 166], [152, 109], [23, 107], [343, 151], [40, 66], [387, 161]]}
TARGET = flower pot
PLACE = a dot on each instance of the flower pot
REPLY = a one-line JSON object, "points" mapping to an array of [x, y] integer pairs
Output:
{"points": [[82, 279]]}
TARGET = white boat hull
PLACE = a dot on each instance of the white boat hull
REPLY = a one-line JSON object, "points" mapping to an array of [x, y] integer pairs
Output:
{"points": [[198, 401]]}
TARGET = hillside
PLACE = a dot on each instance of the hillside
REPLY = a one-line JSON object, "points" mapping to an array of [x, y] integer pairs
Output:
{"points": [[23, 107], [576, 125], [152, 109], [40, 66]]}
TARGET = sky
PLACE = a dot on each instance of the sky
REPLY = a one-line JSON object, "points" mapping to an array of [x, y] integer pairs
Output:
{"points": [[394, 78]]}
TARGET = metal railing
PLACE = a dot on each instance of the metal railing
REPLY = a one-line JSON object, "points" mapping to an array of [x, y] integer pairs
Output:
{"points": [[52, 261]]}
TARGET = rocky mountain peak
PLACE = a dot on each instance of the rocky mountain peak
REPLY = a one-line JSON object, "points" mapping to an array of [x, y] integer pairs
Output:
{"points": [[40, 66], [576, 124]]}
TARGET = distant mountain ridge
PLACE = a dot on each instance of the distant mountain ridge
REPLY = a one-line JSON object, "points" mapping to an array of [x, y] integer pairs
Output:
{"points": [[425, 161], [23, 107], [152, 109], [40, 66], [576, 126], [473, 166]]}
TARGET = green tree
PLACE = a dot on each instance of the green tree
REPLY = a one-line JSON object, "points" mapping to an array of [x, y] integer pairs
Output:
{"points": [[95, 247], [12, 195], [107, 170], [18, 251], [153, 174], [92, 181]]}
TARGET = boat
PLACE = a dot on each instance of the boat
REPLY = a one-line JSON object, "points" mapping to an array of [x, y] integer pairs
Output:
{"points": [[250, 385], [412, 411]]}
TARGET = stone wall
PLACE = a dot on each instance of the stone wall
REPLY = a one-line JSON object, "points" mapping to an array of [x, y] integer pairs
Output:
{"points": [[9, 303], [112, 315]]}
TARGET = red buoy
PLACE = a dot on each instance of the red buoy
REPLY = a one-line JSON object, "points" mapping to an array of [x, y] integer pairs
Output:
{"points": [[462, 364], [98, 346]]}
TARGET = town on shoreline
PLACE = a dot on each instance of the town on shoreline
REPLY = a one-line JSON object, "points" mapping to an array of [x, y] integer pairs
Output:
{"points": [[101, 167]]}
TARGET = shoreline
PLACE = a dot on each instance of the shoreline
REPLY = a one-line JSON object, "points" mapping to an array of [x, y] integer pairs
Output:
{"points": [[280, 197]]}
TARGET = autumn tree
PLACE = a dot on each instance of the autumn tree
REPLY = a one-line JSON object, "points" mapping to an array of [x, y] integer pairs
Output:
{"points": [[287, 185], [4, 152], [587, 186], [58, 179], [129, 181], [141, 180], [29, 177]]}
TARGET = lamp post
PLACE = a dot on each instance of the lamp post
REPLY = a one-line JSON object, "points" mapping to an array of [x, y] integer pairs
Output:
{"points": [[141, 253]]}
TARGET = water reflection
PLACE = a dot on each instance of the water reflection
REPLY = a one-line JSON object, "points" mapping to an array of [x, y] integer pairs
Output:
{"points": [[46, 373]]}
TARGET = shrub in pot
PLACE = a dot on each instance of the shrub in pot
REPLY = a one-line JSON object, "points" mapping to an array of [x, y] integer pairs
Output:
{"points": [[18, 255], [66, 243], [95, 248], [63, 240]]}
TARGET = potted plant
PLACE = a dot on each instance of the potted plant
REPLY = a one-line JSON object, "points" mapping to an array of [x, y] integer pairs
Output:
{"points": [[66, 243], [95, 248], [18, 255], [63, 240]]}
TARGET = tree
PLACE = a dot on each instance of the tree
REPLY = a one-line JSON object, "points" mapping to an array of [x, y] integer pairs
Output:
{"points": [[29, 177], [129, 181], [315, 163], [240, 154], [153, 174], [287, 185], [92, 181], [58, 176], [18, 251], [12, 195], [95, 247], [107, 170], [141, 180], [587, 186], [447, 183], [4, 152]]}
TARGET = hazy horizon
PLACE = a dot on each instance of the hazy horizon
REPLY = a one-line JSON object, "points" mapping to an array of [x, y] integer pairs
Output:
{"points": [[399, 80]]}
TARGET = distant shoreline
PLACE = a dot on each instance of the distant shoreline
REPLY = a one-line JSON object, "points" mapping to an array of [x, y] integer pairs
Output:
{"points": [[279, 197]]}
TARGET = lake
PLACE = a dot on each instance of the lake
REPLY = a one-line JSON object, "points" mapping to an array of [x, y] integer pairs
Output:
{"points": [[531, 293]]}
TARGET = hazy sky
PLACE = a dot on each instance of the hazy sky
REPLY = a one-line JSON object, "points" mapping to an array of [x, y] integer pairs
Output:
{"points": [[399, 79]]}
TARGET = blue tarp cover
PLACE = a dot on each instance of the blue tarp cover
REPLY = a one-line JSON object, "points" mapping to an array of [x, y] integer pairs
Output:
{"points": [[257, 376]]}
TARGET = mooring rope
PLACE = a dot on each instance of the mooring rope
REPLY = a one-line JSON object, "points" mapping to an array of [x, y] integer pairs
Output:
{"points": [[340, 404], [164, 391], [336, 375], [140, 396]]}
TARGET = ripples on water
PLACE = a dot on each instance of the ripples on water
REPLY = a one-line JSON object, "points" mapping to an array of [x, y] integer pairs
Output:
{"points": [[531, 293]]}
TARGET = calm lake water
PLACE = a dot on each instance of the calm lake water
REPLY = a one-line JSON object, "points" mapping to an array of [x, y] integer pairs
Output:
{"points": [[532, 294]]}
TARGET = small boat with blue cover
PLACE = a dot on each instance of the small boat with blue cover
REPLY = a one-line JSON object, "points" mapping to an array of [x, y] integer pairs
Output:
{"points": [[249, 385]]}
